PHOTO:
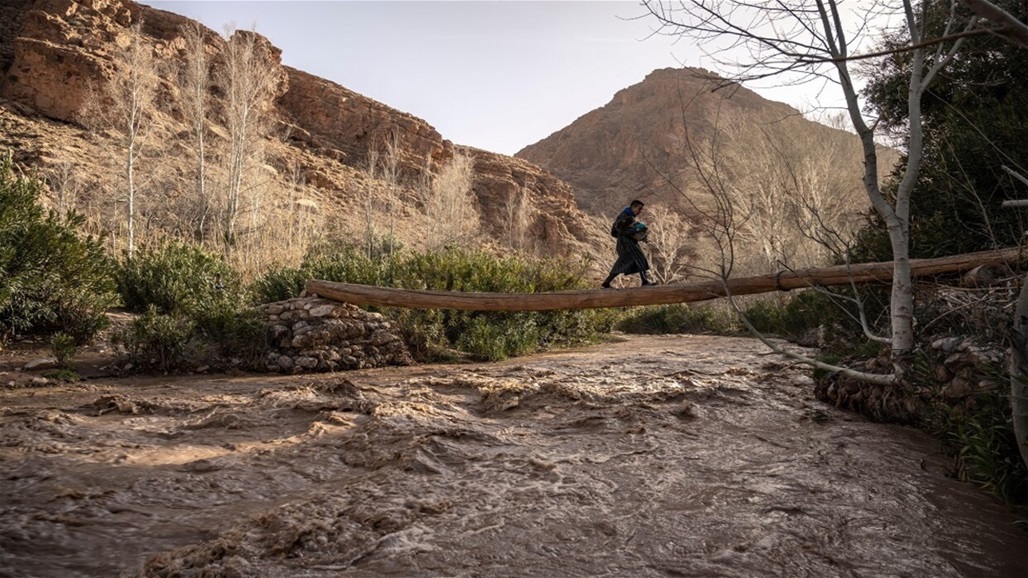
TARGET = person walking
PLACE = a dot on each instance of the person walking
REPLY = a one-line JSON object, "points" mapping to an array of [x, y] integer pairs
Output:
{"points": [[630, 256]]}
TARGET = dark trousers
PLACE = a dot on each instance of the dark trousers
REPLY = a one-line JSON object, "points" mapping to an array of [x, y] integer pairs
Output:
{"points": [[630, 260]]}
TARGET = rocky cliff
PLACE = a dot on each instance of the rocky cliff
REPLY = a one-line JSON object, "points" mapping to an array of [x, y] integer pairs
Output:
{"points": [[53, 51]]}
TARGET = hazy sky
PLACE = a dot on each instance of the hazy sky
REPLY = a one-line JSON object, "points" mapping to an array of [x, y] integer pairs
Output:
{"points": [[490, 74]]}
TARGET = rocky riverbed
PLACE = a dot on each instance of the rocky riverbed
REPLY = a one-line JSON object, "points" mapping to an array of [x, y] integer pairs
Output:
{"points": [[648, 456]]}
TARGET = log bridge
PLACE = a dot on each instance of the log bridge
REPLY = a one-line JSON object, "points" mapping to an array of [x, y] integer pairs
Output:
{"points": [[659, 295]]}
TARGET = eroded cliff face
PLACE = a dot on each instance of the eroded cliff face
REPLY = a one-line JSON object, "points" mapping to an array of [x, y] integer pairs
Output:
{"points": [[53, 52]]}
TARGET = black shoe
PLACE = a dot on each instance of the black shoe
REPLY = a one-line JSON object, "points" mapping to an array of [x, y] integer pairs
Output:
{"points": [[649, 283], [606, 286]]}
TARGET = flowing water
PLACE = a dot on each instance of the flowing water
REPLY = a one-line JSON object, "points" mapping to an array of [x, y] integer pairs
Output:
{"points": [[653, 456]]}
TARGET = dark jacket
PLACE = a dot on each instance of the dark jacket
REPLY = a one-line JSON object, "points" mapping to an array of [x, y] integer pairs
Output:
{"points": [[623, 223]]}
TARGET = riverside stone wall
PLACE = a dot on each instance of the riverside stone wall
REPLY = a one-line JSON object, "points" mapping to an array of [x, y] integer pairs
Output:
{"points": [[311, 334]]}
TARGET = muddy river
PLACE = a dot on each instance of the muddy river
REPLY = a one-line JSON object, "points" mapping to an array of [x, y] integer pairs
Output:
{"points": [[651, 456]]}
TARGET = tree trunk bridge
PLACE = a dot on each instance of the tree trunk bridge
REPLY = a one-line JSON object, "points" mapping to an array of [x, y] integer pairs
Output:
{"points": [[659, 295]]}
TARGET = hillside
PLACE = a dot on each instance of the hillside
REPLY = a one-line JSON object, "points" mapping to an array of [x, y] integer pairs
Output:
{"points": [[312, 174]]}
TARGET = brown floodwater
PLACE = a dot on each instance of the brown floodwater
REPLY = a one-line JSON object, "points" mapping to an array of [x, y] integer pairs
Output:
{"points": [[652, 456]]}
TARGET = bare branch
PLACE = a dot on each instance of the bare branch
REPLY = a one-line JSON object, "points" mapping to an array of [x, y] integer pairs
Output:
{"points": [[1010, 29]]}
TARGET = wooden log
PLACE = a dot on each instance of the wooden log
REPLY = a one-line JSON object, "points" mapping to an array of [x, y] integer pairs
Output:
{"points": [[659, 295]]}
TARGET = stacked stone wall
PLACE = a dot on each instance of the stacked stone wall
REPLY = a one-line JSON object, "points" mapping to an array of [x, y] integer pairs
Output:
{"points": [[311, 334]]}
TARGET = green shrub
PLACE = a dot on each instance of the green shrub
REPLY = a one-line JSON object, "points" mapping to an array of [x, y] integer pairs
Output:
{"points": [[195, 297], [62, 345], [53, 278], [233, 329], [175, 278], [767, 316], [342, 264], [678, 318], [158, 341], [982, 440], [280, 283], [492, 335], [497, 339]]}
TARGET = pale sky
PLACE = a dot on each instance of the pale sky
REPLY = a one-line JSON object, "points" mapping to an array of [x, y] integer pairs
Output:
{"points": [[496, 75]]}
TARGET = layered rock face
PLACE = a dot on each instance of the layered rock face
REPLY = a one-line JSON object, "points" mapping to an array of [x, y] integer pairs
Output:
{"points": [[310, 334], [52, 51]]}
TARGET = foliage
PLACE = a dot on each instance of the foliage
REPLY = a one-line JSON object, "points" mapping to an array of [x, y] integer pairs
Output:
{"points": [[157, 340], [51, 278], [823, 318], [492, 335], [983, 443], [973, 125], [679, 318], [175, 278], [191, 295], [62, 374], [63, 347], [486, 335]]}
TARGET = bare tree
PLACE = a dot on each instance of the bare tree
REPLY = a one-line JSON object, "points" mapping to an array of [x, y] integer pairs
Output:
{"points": [[517, 214], [813, 40], [65, 185], [125, 105], [369, 202], [717, 214], [793, 184], [672, 244], [450, 203], [391, 175], [249, 80], [195, 84]]}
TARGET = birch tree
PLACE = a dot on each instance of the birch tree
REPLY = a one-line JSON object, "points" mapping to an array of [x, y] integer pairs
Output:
{"points": [[450, 203], [391, 175], [517, 214], [248, 78], [672, 245], [369, 202], [816, 40], [126, 106], [195, 86]]}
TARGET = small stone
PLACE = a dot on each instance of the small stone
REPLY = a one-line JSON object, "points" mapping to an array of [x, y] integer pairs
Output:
{"points": [[322, 310], [274, 310], [381, 338], [40, 381], [959, 388]]}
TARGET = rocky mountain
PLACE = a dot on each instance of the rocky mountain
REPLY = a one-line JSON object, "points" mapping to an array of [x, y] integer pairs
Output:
{"points": [[53, 53], [632, 145]]}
